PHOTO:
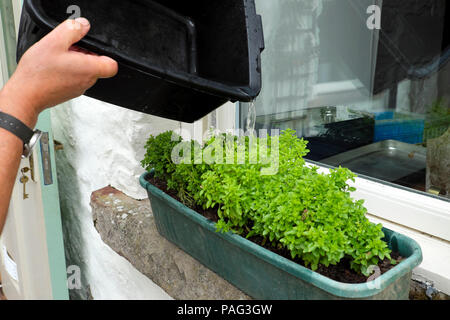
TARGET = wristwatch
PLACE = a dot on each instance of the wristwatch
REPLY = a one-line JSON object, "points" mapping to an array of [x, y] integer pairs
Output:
{"points": [[21, 130]]}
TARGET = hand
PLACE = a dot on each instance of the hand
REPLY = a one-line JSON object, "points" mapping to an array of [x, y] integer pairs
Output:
{"points": [[54, 71]]}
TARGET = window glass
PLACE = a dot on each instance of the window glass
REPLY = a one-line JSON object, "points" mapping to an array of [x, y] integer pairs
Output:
{"points": [[366, 82]]}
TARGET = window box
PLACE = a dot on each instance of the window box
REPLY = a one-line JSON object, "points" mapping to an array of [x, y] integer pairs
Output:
{"points": [[263, 274]]}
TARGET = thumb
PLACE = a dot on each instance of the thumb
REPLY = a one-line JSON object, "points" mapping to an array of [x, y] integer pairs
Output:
{"points": [[69, 32]]}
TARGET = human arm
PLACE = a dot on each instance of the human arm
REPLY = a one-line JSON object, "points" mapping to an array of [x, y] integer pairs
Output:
{"points": [[49, 73]]}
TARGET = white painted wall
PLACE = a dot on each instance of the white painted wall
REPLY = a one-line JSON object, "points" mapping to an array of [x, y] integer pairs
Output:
{"points": [[103, 145]]}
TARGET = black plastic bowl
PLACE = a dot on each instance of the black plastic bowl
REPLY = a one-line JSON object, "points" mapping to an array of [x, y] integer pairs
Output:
{"points": [[177, 59]]}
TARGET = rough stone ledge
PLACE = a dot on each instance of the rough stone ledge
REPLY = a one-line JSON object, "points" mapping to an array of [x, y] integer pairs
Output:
{"points": [[128, 227]]}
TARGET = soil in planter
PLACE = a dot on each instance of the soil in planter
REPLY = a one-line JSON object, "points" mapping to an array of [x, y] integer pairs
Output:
{"points": [[340, 272]]}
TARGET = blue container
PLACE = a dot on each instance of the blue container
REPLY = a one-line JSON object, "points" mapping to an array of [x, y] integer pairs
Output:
{"points": [[400, 127]]}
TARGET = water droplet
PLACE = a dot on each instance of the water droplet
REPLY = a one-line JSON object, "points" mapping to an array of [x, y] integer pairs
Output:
{"points": [[251, 119]]}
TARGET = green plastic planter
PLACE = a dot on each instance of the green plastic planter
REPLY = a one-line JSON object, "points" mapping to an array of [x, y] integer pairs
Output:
{"points": [[264, 275]]}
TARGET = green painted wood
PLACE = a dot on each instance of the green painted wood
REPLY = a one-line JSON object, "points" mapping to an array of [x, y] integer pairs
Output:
{"points": [[263, 274], [9, 34], [52, 214]]}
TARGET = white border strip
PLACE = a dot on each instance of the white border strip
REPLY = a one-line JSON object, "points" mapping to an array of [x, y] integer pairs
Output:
{"points": [[410, 209]]}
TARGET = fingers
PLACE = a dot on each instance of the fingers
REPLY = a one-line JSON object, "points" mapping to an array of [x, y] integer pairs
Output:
{"points": [[68, 33], [100, 66], [107, 67]]}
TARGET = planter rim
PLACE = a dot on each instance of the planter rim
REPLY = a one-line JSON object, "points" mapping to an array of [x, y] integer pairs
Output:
{"points": [[339, 289]]}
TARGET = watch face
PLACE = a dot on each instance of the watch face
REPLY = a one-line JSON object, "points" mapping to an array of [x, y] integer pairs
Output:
{"points": [[28, 148]]}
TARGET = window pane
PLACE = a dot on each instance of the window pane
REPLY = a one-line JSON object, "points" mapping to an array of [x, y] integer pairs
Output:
{"points": [[374, 100]]}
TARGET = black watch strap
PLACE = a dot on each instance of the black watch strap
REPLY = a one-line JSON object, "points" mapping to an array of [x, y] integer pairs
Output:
{"points": [[16, 127]]}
